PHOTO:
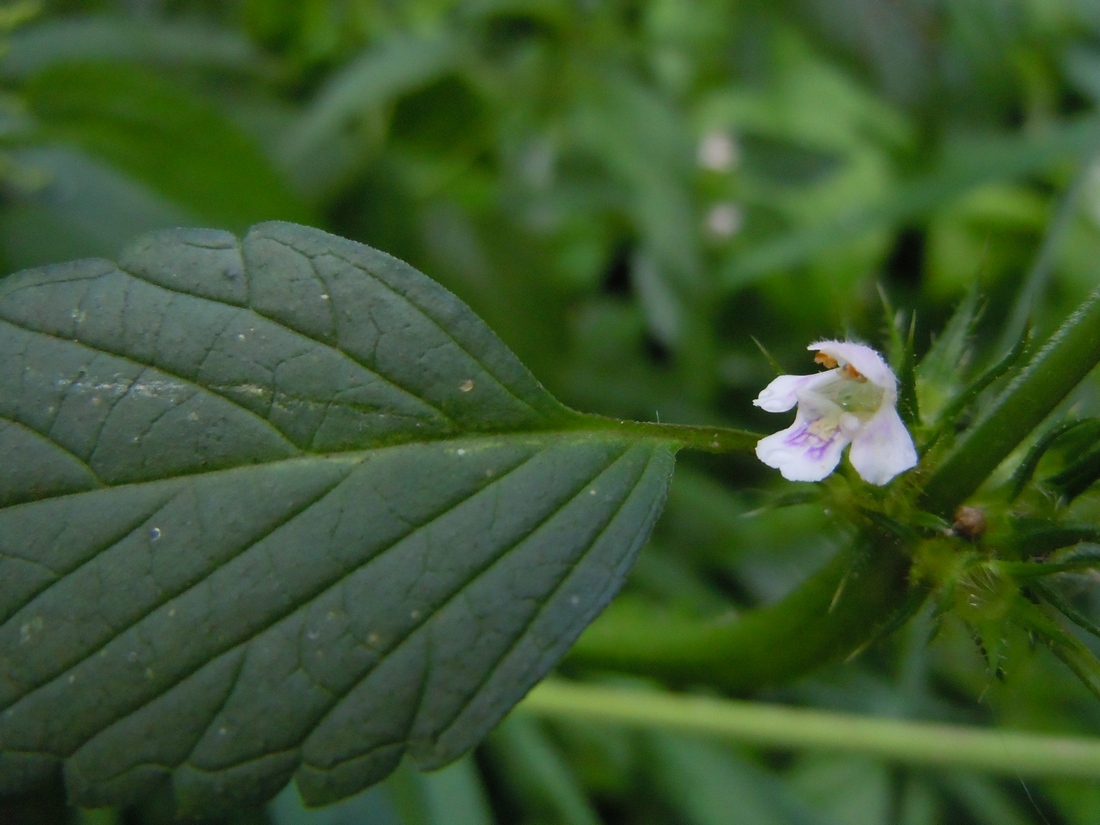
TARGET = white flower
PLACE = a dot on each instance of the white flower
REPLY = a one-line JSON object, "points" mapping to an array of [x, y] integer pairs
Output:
{"points": [[718, 151], [854, 403]]}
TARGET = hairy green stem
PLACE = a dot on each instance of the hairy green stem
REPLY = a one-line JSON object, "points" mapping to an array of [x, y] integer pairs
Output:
{"points": [[826, 618], [843, 606], [1060, 366], [1012, 753]]}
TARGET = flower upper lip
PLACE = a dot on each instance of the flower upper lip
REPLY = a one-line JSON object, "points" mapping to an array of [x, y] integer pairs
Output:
{"points": [[863, 359]]}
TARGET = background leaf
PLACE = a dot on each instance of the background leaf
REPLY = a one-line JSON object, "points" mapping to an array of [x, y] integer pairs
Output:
{"points": [[77, 206], [179, 43], [282, 507], [316, 146], [164, 136]]}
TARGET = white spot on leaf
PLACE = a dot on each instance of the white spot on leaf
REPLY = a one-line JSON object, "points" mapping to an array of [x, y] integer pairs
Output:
{"points": [[255, 390], [31, 629]]}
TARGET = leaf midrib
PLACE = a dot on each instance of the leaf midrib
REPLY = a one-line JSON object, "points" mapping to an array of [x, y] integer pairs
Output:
{"points": [[598, 430]]}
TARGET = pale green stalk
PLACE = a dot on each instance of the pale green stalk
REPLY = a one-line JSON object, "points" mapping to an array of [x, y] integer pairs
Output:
{"points": [[1011, 753]]}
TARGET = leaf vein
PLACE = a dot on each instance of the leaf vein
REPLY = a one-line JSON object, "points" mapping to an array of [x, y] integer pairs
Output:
{"points": [[293, 609], [161, 602], [427, 617], [437, 608], [58, 445], [122, 356], [338, 697], [446, 332], [94, 552], [386, 379], [488, 675]]}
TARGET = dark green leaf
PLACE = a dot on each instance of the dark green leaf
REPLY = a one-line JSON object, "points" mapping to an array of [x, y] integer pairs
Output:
{"points": [[283, 507], [1077, 477], [1081, 557], [1037, 537], [1055, 599], [1023, 474]]}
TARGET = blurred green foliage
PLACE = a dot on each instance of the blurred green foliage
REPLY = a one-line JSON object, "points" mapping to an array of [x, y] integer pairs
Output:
{"points": [[630, 191]]}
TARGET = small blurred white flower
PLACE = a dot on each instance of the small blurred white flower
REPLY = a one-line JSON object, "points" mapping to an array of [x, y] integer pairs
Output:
{"points": [[718, 152], [853, 402], [724, 220]]}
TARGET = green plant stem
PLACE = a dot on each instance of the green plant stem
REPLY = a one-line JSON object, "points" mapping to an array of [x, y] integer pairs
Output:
{"points": [[1013, 753], [826, 618], [706, 439], [1059, 367]]}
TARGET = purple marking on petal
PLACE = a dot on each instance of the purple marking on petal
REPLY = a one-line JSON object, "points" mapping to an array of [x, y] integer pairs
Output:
{"points": [[813, 444]]}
